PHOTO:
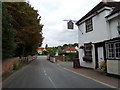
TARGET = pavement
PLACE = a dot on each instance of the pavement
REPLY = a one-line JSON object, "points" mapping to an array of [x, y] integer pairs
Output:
{"points": [[92, 74]]}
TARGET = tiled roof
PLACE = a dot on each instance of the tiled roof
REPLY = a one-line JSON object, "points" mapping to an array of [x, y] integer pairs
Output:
{"points": [[41, 48], [70, 49], [98, 7]]}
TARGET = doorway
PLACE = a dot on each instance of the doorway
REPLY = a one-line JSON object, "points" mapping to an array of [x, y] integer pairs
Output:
{"points": [[100, 55]]}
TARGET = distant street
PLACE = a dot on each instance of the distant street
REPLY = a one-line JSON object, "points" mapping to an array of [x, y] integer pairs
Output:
{"points": [[43, 74]]}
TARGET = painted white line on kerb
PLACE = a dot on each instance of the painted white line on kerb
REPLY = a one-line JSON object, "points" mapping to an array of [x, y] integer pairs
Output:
{"points": [[90, 78]]}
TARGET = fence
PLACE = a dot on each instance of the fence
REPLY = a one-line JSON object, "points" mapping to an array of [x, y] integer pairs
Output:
{"points": [[29, 58]]}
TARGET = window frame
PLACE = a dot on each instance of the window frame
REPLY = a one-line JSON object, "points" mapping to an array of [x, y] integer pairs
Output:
{"points": [[89, 25], [118, 50], [114, 50]]}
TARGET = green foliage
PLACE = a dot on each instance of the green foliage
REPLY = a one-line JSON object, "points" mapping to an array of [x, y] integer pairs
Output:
{"points": [[71, 56], [45, 53], [51, 51], [60, 51], [8, 34], [19, 65], [26, 21], [67, 58], [15, 67]]}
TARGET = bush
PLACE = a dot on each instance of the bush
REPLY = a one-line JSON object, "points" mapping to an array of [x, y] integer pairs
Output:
{"points": [[71, 56], [45, 53], [15, 67], [103, 66], [67, 58], [19, 65]]}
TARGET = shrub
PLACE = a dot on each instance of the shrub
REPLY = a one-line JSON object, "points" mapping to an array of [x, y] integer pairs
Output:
{"points": [[15, 67], [103, 66]]}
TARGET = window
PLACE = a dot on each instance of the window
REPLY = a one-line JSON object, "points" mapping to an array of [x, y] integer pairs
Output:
{"points": [[89, 25], [117, 50], [113, 50], [88, 51]]}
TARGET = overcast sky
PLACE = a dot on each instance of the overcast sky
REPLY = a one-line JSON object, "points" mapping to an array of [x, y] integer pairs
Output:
{"points": [[53, 12]]}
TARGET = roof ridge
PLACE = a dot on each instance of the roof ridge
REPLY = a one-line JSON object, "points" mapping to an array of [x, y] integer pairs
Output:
{"points": [[98, 7]]}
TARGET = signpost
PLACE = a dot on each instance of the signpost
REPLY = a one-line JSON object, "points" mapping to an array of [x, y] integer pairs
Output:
{"points": [[70, 24]]}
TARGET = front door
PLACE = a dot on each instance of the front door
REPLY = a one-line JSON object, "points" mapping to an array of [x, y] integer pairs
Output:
{"points": [[100, 55]]}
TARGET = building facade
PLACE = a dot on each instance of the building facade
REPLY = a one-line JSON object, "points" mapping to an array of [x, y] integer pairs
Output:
{"points": [[99, 37]]}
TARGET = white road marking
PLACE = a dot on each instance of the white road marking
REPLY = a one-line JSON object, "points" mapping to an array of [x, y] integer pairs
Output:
{"points": [[48, 76], [44, 70], [51, 82]]}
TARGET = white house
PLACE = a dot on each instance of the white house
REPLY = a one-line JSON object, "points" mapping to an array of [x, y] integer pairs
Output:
{"points": [[99, 37]]}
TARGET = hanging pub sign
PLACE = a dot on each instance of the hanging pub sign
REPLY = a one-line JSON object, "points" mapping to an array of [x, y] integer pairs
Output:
{"points": [[88, 45], [70, 25]]}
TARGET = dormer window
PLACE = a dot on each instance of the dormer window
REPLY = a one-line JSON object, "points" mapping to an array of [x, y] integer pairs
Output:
{"points": [[89, 25]]}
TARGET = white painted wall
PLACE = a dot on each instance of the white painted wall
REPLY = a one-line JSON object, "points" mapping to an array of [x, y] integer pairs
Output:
{"points": [[113, 23], [113, 67], [98, 34]]}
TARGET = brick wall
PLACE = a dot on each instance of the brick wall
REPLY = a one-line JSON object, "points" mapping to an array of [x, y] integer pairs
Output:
{"points": [[7, 65]]}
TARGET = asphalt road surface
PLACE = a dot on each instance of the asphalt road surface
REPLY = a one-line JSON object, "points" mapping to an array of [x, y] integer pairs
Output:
{"points": [[43, 74]]}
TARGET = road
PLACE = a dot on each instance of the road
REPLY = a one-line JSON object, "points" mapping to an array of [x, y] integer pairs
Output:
{"points": [[43, 74]]}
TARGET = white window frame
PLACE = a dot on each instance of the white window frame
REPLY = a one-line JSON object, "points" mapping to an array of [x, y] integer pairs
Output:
{"points": [[114, 50], [118, 51]]}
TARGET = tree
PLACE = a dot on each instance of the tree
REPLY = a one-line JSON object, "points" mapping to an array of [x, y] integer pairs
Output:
{"points": [[51, 51], [8, 34], [75, 44], [26, 22], [60, 51], [46, 46]]}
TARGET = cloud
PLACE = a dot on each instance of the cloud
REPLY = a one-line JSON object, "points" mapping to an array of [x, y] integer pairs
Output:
{"points": [[53, 12]]}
